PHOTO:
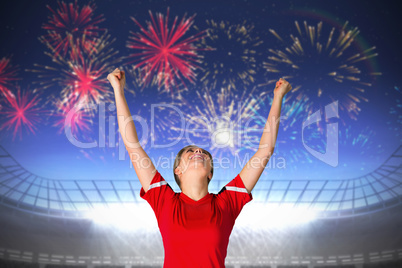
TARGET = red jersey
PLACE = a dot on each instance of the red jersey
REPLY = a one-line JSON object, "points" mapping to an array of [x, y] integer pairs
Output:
{"points": [[195, 233]]}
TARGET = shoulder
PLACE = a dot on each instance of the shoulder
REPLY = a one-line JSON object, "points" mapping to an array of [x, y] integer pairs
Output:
{"points": [[236, 185], [157, 181], [158, 185]]}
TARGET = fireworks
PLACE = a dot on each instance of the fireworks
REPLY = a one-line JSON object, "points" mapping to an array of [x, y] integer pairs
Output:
{"points": [[232, 54], [360, 138], [359, 146], [395, 111], [223, 121], [136, 77], [83, 78], [164, 56], [87, 81], [71, 114], [289, 142], [81, 85], [70, 27], [21, 111], [327, 67], [7, 75]]}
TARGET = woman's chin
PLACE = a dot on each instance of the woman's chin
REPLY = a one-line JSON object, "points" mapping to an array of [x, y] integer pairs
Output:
{"points": [[198, 164]]}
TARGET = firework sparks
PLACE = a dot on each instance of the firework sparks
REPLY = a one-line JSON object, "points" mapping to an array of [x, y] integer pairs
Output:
{"points": [[69, 26], [232, 55], [361, 146], [21, 111], [83, 78], [289, 143], [137, 80], [395, 112], [162, 56], [87, 80], [360, 140], [327, 66], [223, 121], [72, 114], [8, 74]]}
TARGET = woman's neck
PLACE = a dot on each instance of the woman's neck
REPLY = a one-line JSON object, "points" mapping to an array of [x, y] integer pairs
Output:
{"points": [[195, 189]]}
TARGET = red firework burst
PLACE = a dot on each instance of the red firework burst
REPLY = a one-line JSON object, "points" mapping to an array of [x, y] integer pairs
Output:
{"points": [[21, 111], [82, 78], [72, 114], [86, 79], [87, 84], [163, 54], [8, 74], [69, 26]]}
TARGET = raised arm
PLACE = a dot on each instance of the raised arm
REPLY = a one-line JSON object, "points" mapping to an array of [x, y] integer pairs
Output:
{"points": [[252, 171], [143, 165]]}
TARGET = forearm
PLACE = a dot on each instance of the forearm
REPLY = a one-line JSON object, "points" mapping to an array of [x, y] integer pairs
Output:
{"points": [[142, 164], [271, 128], [252, 171], [126, 124], [144, 168]]}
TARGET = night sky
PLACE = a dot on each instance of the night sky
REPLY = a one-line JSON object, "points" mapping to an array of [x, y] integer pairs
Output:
{"points": [[368, 133]]}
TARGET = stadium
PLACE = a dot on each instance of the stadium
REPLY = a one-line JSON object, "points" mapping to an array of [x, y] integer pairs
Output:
{"points": [[205, 73], [38, 228]]}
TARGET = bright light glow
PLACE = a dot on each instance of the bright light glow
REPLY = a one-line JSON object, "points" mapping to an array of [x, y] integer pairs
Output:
{"points": [[126, 217], [223, 135], [267, 216], [140, 217]]}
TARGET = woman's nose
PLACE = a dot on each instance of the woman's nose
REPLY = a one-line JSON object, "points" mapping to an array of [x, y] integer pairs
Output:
{"points": [[198, 150]]}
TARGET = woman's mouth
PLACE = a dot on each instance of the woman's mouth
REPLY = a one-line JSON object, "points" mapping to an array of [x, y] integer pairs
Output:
{"points": [[195, 156]]}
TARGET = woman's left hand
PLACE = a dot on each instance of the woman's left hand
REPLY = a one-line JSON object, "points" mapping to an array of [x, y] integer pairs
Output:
{"points": [[282, 87]]}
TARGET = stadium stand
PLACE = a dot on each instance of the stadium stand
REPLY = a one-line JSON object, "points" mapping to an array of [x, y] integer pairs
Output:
{"points": [[64, 266], [292, 266], [109, 266], [368, 234], [17, 264], [335, 266], [255, 266], [386, 264]]}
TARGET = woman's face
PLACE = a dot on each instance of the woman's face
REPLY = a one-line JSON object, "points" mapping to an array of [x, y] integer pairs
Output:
{"points": [[195, 158]]}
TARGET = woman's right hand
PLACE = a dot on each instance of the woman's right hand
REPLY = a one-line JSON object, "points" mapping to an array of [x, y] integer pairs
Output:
{"points": [[282, 87], [117, 79]]}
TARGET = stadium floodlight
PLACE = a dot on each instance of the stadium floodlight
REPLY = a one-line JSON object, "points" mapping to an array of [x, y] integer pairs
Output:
{"points": [[260, 216], [125, 217]]}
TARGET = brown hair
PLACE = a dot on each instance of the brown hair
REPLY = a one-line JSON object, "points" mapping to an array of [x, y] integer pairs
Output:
{"points": [[178, 158]]}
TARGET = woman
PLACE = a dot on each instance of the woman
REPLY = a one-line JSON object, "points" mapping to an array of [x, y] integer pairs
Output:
{"points": [[195, 225]]}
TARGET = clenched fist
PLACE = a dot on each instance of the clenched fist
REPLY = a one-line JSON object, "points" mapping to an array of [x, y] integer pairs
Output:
{"points": [[117, 79], [282, 87]]}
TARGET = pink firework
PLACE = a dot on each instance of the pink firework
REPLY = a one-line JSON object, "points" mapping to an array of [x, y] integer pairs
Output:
{"points": [[86, 84], [8, 74], [82, 77], [73, 115], [86, 79], [71, 26], [163, 56], [21, 111]]}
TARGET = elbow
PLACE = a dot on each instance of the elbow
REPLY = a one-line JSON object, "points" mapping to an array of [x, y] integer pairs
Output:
{"points": [[266, 152]]}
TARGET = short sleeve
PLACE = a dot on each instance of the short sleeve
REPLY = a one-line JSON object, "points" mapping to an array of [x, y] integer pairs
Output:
{"points": [[235, 195], [158, 192]]}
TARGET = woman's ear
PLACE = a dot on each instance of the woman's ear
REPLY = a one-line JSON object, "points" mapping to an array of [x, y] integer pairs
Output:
{"points": [[177, 171], [210, 176]]}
